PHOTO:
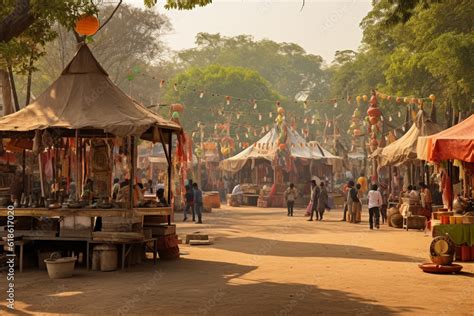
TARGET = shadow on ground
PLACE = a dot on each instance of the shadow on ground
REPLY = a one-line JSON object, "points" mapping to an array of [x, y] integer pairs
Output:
{"points": [[185, 287], [279, 248]]}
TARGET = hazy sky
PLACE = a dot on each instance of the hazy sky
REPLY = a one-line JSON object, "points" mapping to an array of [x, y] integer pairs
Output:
{"points": [[322, 27]]}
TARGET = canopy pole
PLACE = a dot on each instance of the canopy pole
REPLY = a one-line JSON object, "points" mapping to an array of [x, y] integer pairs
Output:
{"points": [[24, 174], [170, 170], [76, 167], [131, 188]]}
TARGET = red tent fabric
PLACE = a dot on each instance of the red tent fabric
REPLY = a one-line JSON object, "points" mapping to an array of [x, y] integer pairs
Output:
{"points": [[456, 142]]}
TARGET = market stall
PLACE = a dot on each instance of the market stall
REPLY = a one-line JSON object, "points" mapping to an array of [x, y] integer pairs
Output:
{"points": [[279, 157], [452, 153], [78, 135]]}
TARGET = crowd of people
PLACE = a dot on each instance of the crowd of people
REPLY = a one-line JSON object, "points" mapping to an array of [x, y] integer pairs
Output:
{"points": [[374, 195]]}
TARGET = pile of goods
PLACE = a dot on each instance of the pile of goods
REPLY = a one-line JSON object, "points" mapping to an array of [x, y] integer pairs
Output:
{"points": [[442, 252]]}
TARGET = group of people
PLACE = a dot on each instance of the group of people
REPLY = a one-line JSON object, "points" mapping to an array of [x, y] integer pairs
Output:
{"points": [[318, 203], [120, 192], [353, 193], [194, 202], [422, 196]]}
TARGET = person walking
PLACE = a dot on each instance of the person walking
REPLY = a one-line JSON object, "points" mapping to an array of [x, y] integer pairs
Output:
{"points": [[189, 197], [375, 203], [357, 206], [345, 190], [197, 202], [322, 202], [383, 210], [314, 197], [362, 181], [350, 200], [290, 197]]}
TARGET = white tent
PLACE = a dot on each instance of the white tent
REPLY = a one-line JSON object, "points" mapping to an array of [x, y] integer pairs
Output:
{"points": [[266, 148]]}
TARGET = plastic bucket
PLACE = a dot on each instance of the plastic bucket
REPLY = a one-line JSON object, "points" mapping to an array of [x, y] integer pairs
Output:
{"points": [[60, 268], [444, 219]]}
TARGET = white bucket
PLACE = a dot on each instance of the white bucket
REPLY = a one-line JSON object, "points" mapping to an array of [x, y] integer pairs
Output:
{"points": [[60, 268]]}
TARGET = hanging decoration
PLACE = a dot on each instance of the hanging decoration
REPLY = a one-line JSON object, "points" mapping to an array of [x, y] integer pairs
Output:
{"points": [[87, 25], [227, 145], [375, 126]]}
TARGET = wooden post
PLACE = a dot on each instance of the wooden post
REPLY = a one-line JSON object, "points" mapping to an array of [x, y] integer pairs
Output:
{"points": [[132, 172], [170, 170], [23, 163], [76, 171], [390, 179]]}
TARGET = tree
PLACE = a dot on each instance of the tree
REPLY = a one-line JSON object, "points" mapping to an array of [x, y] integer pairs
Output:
{"points": [[129, 49], [217, 82], [16, 16], [427, 51], [287, 66]]}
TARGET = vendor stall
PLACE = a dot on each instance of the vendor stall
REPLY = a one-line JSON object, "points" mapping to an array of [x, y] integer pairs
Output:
{"points": [[280, 157], [452, 153], [80, 133]]}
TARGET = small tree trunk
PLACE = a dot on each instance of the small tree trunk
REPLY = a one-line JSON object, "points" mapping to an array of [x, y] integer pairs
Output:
{"points": [[28, 84], [12, 84], [6, 92]]}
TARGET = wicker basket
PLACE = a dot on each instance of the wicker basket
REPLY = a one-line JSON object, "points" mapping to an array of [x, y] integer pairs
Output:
{"points": [[396, 220]]}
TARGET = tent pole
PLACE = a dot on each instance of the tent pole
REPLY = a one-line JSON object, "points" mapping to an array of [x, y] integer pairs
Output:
{"points": [[76, 180], [170, 169], [131, 190]]}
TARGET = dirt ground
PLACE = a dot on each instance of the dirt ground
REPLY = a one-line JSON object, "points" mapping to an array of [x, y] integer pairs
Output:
{"points": [[263, 262]]}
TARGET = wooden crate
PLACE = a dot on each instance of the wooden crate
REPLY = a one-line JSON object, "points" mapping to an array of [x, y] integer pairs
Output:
{"points": [[162, 230]]}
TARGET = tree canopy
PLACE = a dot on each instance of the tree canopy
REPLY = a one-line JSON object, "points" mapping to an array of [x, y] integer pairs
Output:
{"points": [[216, 83], [287, 66]]}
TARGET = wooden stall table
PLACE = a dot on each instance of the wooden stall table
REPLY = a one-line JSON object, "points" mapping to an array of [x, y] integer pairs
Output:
{"points": [[63, 239], [19, 243], [125, 252]]}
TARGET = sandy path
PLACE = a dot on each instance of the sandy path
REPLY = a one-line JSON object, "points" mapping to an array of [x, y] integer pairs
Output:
{"points": [[263, 262]]}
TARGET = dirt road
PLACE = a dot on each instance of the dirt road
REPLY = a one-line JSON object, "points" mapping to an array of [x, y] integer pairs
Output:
{"points": [[265, 263]]}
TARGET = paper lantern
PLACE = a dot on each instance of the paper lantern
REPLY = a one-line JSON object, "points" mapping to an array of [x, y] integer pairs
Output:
{"points": [[358, 99], [87, 25], [364, 97], [373, 120], [372, 111], [389, 97], [432, 98], [282, 146]]}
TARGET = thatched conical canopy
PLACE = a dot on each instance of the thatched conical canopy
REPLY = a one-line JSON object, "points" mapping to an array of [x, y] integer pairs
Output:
{"points": [[83, 97]]}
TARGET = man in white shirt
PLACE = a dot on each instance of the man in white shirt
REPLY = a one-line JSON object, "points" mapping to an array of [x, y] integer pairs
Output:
{"points": [[375, 203]]}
